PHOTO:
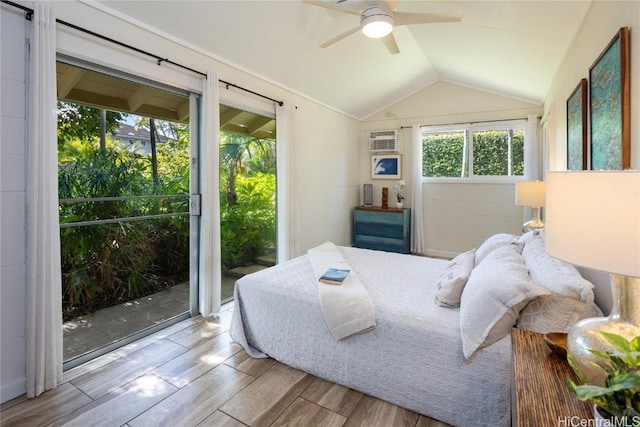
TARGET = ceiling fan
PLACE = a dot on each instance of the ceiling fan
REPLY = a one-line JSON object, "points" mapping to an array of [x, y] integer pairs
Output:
{"points": [[378, 20]]}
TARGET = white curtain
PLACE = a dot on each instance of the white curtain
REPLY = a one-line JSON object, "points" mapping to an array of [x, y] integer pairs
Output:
{"points": [[532, 167], [286, 202], [417, 225], [210, 271], [44, 283], [532, 164]]}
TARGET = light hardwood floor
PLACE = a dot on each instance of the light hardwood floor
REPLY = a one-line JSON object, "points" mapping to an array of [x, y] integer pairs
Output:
{"points": [[192, 374]]}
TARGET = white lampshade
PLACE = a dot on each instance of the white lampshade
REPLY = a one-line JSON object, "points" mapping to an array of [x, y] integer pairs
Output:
{"points": [[530, 193], [376, 23], [593, 220]]}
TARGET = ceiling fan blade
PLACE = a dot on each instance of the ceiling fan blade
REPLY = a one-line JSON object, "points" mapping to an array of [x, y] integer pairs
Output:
{"points": [[406, 18], [339, 37], [390, 43], [331, 6], [391, 4]]}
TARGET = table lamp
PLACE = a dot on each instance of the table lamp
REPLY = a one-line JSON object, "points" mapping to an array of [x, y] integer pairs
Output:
{"points": [[531, 193], [593, 220]]}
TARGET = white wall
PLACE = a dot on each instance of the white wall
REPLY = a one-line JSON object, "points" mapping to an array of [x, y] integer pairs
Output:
{"points": [[601, 23], [324, 144], [327, 166], [457, 216], [460, 216], [12, 203]]}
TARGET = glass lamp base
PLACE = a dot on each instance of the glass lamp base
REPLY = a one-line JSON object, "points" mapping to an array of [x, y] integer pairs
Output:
{"points": [[534, 224], [624, 320]]}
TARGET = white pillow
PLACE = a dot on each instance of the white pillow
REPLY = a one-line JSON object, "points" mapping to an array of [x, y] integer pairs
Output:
{"points": [[452, 281], [493, 243], [557, 276], [491, 301], [555, 313], [530, 235]]}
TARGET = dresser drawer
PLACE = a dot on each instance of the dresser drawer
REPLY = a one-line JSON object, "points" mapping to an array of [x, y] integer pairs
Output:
{"points": [[375, 226], [382, 229], [377, 217], [379, 243]]}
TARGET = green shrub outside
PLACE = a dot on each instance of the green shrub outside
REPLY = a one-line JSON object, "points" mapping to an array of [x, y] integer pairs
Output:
{"points": [[110, 263], [107, 264], [248, 228], [443, 154]]}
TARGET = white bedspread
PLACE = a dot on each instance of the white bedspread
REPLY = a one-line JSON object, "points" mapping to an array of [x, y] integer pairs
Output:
{"points": [[347, 308], [413, 357]]}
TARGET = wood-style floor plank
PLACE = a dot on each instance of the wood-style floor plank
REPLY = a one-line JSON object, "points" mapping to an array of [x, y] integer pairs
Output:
{"points": [[89, 366], [334, 397], [370, 412], [121, 404], [247, 364], [196, 401], [202, 331], [192, 374], [429, 422], [117, 373], [305, 413], [196, 362], [50, 406], [268, 396], [220, 419]]}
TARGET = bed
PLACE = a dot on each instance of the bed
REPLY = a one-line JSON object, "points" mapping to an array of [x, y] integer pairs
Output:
{"points": [[414, 356]]}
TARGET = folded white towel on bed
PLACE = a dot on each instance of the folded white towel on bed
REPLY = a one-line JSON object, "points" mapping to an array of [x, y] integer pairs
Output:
{"points": [[347, 308]]}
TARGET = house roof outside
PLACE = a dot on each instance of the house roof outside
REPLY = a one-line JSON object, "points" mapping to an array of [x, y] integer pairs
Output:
{"points": [[88, 87]]}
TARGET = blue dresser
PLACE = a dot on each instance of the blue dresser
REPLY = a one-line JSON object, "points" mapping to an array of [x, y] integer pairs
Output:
{"points": [[382, 229]]}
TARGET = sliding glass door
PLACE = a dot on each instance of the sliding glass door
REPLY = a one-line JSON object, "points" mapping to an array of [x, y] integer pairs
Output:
{"points": [[124, 154], [247, 193]]}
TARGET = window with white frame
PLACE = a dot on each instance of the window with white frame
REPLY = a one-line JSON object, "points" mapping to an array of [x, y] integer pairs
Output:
{"points": [[462, 151]]}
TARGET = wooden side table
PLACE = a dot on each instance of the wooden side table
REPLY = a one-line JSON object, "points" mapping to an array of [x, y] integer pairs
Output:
{"points": [[540, 397]]}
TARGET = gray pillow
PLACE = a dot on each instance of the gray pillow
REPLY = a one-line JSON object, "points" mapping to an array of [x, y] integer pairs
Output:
{"points": [[555, 313], [496, 291], [453, 279]]}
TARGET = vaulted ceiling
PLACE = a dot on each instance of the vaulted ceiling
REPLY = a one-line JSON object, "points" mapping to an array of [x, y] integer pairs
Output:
{"points": [[510, 47]]}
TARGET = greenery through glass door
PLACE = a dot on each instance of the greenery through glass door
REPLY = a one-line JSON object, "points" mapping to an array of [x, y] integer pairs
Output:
{"points": [[247, 198], [123, 213]]}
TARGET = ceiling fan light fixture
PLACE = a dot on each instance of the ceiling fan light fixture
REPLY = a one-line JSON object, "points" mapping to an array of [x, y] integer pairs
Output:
{"points": [[376, 23]]}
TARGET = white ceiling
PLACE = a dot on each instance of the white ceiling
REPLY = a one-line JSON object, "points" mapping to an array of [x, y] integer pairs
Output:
{"points": [[511, 47]]}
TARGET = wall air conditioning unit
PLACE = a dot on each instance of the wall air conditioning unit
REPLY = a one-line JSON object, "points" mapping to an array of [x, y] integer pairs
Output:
{"points": [[383, 141]]}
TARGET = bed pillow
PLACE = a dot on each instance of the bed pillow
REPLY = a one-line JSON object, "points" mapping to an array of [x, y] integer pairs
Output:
{"points": [[555, 313], [530, 235], [491, 301], [452, 281], [493, 243], [557, 276]]}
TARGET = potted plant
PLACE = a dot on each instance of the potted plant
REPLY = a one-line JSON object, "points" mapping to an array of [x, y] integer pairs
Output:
{"points": [[399, 189], [618, 401]]}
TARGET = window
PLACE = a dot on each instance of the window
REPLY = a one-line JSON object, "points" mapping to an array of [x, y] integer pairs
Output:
{"points": [[465, 151]]}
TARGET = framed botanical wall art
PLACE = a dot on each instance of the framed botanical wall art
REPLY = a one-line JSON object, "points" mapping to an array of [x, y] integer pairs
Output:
{"points": [[577, 128], [386, 166], [610, 106]]}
